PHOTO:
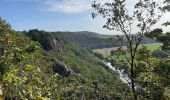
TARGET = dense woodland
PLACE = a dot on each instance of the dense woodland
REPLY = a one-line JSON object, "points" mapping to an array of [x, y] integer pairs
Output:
{"points": [[34, 66], [41, 65]]}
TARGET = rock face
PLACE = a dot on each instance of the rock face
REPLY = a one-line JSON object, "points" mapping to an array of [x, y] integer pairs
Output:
{"points": [[56, 45], [47, 40], [61, 69]]}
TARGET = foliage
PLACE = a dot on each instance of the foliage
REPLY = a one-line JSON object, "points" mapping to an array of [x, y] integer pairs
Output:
{"points": [[79, 59], [87, 40], [154, 34], [158, 35], [87, 65], [86, 69], [20, 78], [26, 69], [46, 39], [151, 74], [161, 53], [153, 79], [145, 14], [165, 39]]}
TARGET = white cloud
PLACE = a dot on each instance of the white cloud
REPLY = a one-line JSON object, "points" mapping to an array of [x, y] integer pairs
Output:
{"points": [[70, 6], [65, 6]]}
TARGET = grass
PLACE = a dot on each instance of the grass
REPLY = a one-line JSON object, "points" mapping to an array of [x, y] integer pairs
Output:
{"points": [[152, 46], [106, 51]]}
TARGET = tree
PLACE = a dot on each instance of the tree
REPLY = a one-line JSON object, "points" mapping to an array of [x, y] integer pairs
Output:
{"points": [[165, 39], [153, 75], [158, 35], [20, 77], [154, 34], [133, 24]]}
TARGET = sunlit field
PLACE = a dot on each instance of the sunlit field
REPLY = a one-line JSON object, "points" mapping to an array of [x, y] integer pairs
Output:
{"points": [[106, 51]]}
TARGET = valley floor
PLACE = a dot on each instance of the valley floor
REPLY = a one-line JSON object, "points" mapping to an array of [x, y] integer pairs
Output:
{"points": [[106, 51]]}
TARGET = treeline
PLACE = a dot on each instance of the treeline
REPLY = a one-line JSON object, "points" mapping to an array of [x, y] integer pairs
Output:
{"points": [[88, 40], [85, 39]]}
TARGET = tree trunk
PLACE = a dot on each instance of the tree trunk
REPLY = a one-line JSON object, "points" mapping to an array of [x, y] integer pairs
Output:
{"points": [[132, 71]]}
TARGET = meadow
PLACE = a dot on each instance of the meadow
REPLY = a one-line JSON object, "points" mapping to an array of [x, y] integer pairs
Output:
{"points": [[106, 51]]}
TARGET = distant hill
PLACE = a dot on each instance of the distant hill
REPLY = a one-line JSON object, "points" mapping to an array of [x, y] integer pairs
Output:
{"points": [[86, 39], [93, 40]]}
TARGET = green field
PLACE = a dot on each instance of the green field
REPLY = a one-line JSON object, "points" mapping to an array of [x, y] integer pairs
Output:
{"points": [[106, 51], [152, 46]]}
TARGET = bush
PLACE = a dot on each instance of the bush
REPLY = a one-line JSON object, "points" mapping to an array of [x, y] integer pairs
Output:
{"points": [[161, 53]]}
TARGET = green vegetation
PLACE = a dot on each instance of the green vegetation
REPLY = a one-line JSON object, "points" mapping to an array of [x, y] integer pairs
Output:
{"points": [[158, 35], [134, 23], [87, 65], [107, 51], [27, 70], [89, 40], [152, 46], [40, 65], [20, 77], [79, 59]]}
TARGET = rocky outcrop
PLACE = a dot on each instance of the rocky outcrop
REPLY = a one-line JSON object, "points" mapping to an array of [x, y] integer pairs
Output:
{"points": [[47, 40], [56, 44], [61, 69]]}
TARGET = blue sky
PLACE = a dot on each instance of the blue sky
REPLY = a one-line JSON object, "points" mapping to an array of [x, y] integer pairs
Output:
{"points": [[52, 15]]}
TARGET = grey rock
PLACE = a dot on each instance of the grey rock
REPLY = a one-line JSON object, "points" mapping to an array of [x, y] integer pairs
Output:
{"points": [[61, 69]]}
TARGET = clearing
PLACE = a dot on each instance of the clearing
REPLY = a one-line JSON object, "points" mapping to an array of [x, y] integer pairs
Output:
{"points": [[106, 51]]}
